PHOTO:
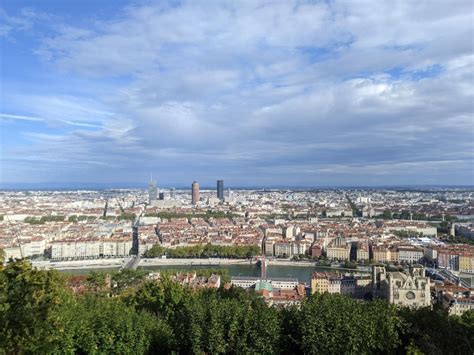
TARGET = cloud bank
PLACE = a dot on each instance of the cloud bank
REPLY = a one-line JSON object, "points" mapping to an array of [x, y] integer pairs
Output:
{"points": [[257, 93]]}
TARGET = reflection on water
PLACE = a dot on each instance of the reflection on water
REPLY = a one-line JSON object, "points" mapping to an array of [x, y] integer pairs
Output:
{"points": [[302, 273]]}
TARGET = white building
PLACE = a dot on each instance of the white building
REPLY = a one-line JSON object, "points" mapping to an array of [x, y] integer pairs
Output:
{"points": [[404, 289]]}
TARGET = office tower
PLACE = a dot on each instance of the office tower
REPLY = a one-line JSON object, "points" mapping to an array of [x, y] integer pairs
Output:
{"points": [[194, 193], [161, 196], [220, 190], [152, 191], [173, 193]]}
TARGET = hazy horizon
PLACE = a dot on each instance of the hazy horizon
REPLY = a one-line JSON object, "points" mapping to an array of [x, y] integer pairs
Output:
{"points": [[207, 186]]}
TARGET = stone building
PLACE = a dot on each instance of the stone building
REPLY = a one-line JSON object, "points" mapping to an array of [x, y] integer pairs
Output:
{"points": [[410, 289]]}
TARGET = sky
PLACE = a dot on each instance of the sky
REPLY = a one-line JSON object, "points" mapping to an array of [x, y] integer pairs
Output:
{"points": [[258, 93]]}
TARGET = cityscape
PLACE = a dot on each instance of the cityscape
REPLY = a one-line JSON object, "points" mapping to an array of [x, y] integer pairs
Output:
{"points": [[343, 230], [236, 177], [410, 247]]}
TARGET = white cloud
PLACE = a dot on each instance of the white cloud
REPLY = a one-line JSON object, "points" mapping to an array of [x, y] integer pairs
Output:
{"points": [[285, 86]]}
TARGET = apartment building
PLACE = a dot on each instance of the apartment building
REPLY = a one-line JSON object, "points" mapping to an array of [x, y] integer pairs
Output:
{"points": [[410, 254]]}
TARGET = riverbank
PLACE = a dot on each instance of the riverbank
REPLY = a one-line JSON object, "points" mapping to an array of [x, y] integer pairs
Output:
{"points": [[81, 264], [144, 262], [156, 262]]}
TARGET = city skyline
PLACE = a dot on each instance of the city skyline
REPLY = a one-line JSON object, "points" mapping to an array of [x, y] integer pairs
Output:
{"points": [[305, 94]]}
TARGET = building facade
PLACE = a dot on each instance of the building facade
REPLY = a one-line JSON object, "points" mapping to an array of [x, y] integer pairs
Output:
{"points": [[152, 192], [195, 195], [410, 289], [220, 190]]}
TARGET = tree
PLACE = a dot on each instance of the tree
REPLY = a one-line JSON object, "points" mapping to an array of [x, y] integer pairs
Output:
{"points": [[337, 324], [31, 310], [435, 332], [107, 325], [98, 282], [127, 278]]}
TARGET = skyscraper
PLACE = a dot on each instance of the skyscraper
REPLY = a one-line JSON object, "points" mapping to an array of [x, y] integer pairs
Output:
{"points": [[220, 190], [173, 193], [152, 191], [194, 193]]}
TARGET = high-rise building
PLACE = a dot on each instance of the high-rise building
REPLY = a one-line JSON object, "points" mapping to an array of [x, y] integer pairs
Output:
{"points": [[173, 193], [220, 190], [161, 196], [194, 193], [152, 191]]}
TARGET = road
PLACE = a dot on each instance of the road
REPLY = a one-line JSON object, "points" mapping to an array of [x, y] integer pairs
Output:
{"points": [[132, 263]]}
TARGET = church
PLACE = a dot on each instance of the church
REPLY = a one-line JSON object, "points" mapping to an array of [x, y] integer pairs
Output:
{"points": [[410, 289]]}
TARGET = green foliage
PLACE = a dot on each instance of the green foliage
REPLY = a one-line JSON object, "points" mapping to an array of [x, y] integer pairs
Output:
{"points": [[339, 325], [127, 217], [127, 278], [407, 233], [435, 332], [458, 239], [206, 216], [205, 251], [39, 315], [387, 214], [2, 255], [417, 216], [349, 264], [44, 219], [155, 252], [224, 273], [210, 321], [105, 326], [31, 310], [97, 282], [75, 218]]}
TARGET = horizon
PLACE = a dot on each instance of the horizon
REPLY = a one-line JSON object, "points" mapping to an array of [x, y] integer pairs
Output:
{"points": [[143, 186], [299, 93]]}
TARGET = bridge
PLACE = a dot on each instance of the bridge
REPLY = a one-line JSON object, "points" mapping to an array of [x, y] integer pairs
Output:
{"points": [[447, 274], [133, 263]]}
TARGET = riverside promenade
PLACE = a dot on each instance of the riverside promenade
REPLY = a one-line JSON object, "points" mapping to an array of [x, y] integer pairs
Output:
{"points": [[112, 263]]}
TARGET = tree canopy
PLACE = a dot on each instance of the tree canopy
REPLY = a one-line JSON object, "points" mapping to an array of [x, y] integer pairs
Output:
{"points": [[40, 314], [205, 251]]}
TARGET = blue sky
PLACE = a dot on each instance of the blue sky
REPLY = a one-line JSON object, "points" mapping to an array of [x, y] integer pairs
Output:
{"points": [[315, 93]]}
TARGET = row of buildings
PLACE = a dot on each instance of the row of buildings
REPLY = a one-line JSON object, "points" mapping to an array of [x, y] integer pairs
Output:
{"points": [[91, 248]]}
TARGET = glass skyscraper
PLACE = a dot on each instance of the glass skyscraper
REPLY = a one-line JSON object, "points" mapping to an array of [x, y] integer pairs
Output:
{"points": [[152, 191], [220, 190]]}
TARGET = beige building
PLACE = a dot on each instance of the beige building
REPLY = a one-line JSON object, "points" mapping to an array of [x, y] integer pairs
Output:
{"points": [[362, 251], [90, 248], [339, 253], [195, 196], [381, 254], [410, 254], [319, 282], [466, 262], [339, 249], [283, 249], [359, 286], [410, 289]]}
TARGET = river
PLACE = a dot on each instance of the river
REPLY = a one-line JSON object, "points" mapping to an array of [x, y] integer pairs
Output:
{"points": [[302, 273]]}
